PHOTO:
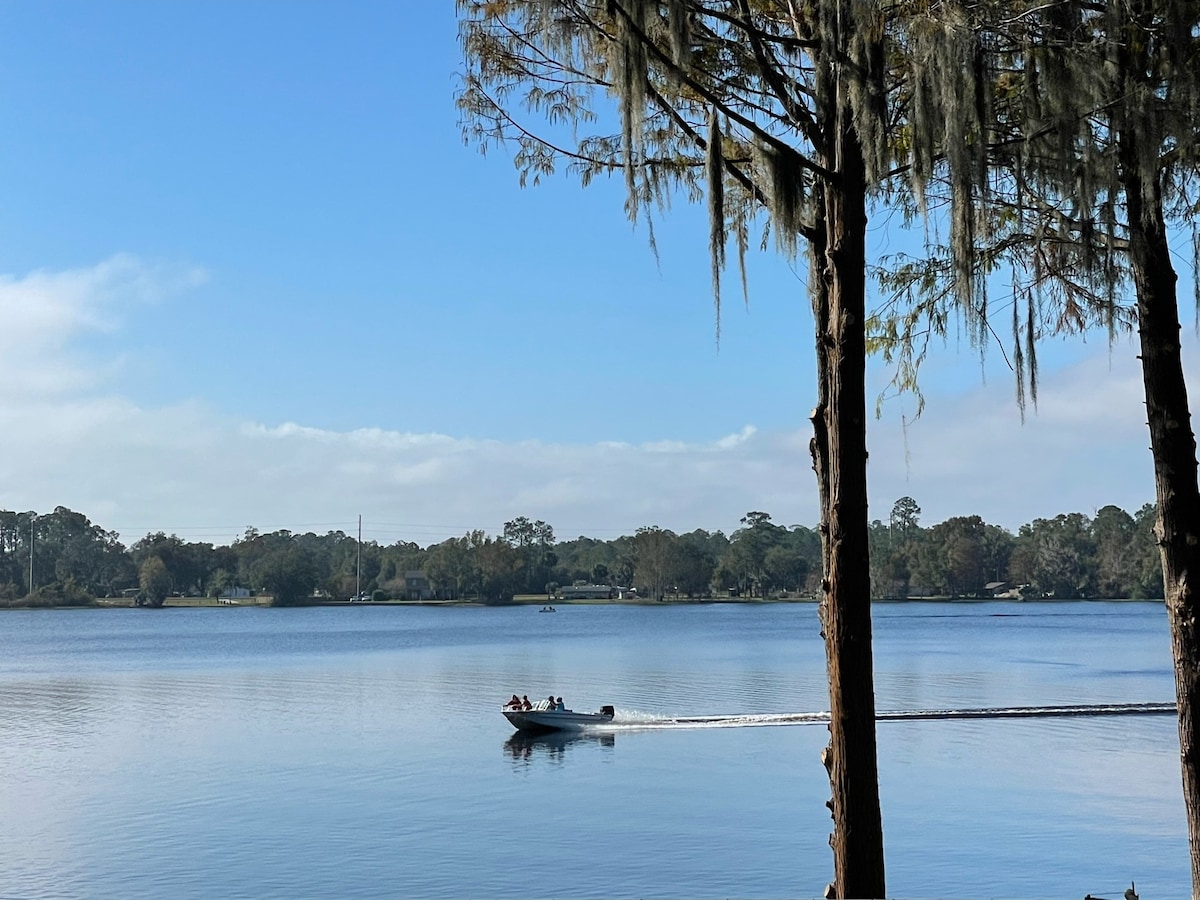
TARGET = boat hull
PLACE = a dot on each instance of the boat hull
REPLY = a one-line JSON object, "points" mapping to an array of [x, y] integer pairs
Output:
{"points": [[544, 720]]}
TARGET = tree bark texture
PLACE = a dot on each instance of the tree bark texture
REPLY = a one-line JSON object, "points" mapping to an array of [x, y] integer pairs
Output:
{"points": [[840, 459], [1173, 445]]}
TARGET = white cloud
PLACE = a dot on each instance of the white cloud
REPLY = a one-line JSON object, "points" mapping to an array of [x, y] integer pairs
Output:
{"points": [[205, 475], [732, 440], [44, 311], [1085, 446]]}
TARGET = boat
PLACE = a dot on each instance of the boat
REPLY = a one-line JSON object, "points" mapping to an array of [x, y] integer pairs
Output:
{"points": [[547, 609], [542, 719]]}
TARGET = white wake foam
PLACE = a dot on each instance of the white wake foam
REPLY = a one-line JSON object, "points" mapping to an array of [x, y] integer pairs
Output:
{"points": [[631, 719]]}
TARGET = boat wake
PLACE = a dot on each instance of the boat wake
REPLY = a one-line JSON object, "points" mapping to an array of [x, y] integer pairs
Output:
{"points": [[631, 720]]}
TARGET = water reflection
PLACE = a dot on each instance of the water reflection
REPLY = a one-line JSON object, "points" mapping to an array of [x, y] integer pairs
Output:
{"points": [[554, 745]]}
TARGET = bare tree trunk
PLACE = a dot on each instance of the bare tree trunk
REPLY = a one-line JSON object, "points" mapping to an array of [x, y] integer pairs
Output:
{"points": [[840, 460], [1173, 445]]}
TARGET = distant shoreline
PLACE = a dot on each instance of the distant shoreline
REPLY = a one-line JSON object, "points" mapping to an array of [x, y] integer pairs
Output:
{"points": [[540, 603]]}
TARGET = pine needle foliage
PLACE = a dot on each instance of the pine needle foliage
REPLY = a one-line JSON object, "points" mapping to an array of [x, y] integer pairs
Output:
{"points": [[675, 74], [1030, 173]]}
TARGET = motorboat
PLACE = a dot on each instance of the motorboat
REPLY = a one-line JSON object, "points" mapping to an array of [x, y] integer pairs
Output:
{"points": [[541, 718]]}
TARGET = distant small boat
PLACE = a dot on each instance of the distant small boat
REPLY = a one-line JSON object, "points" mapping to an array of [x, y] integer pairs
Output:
{"points": [[547, 609], [542, 720]]}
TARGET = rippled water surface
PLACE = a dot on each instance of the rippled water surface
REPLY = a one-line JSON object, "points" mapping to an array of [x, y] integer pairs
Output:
{"points": [[359, 752]]}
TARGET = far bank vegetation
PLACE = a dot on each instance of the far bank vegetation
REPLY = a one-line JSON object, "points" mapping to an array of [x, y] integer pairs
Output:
{"points": [[1111, 555]]}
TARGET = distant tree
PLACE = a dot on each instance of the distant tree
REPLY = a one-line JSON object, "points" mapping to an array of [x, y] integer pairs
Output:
{"points": [[451, 567], [785, 567], [698, 554], [1149, 571], [905, 516], [251, 547], [894, 549], [174, 553], [881, 558], [372, 565], [62, 593], [388, 571], [656, 555], [154, 581], [76, 551], [221, 581], [621, 565], [966, 565], [747, 553], [534, 542], [577, 559], [500, 567], [694, 570], [725, 579], [1061, 555], [287, 574], [12, 543], [1113, 538]]}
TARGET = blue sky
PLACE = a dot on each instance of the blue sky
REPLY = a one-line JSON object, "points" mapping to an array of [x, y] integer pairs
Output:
{"points": [[252, 276]]}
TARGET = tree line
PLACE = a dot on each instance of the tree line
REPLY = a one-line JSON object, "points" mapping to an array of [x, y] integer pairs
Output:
{"points": [[61, 558]]}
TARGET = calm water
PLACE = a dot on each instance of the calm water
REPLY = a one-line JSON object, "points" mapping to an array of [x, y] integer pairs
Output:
{"points": [[359, 752]]}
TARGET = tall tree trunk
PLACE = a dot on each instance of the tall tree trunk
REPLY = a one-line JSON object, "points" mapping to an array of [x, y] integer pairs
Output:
{"points": [[840, 459], [1173, 445]]}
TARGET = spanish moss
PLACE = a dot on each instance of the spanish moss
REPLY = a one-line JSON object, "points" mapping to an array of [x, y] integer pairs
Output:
{"points": [[715, 177]]}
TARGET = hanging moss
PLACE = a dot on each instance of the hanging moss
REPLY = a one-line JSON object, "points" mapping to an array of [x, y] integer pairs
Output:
{"points": [[715, 177]]}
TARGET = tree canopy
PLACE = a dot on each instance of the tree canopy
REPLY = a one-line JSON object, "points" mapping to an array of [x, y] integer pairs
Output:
{"points": [[1071, 555]]}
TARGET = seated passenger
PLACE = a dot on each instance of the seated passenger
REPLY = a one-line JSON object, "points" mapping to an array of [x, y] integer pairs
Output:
{"points": [[525, 704], [558, 704], [514, 703]]}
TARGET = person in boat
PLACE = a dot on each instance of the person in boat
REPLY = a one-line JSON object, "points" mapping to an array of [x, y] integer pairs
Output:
{"points": [[525, 704], [514, 703], [558, 705], [550, 702]]}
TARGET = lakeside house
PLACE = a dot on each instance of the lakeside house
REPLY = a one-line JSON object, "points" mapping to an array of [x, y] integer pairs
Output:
{"points": [[586, 592], [417, 586], [583, 591], [1005, 590]]}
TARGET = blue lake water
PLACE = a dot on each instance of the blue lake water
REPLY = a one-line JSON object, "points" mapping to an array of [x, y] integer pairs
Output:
{"points": [[359, 752]]}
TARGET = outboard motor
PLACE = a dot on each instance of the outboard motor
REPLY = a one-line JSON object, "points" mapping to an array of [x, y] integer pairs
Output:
{"points": [[607, 711]]}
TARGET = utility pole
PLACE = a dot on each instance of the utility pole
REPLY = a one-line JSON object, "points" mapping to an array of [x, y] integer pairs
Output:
{"points": [[358, 571], [32, 518]]}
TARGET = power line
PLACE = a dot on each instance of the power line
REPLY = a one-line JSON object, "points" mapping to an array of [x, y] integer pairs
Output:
{"points": [[382, 532]]}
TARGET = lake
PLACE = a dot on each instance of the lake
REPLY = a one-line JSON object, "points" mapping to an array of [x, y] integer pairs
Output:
{"points": [[360, 753]]}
